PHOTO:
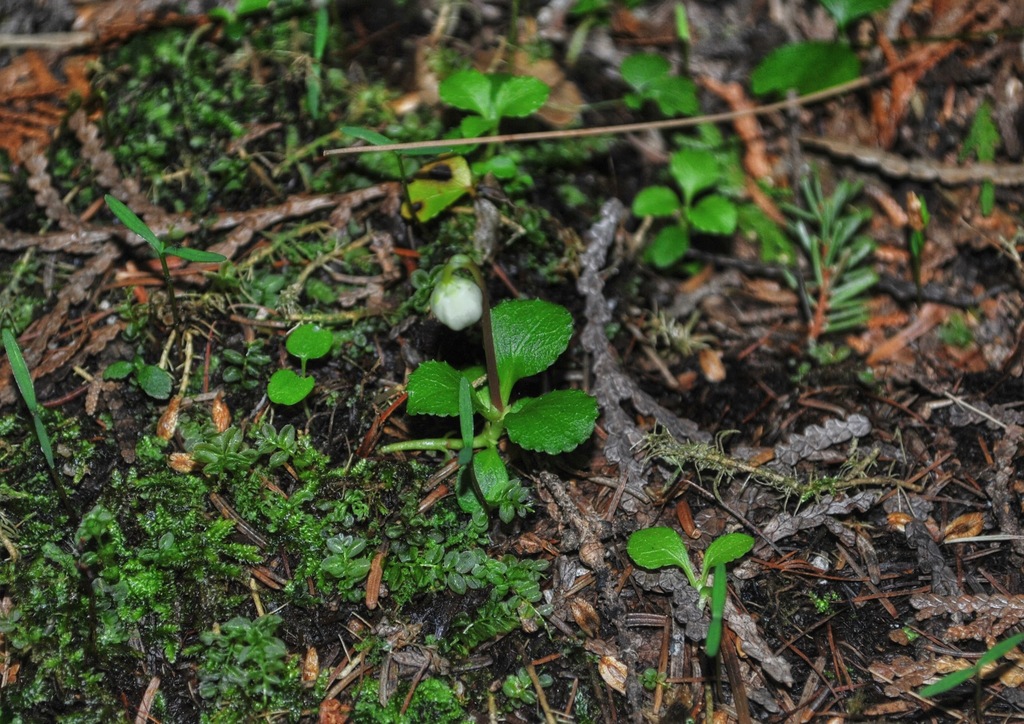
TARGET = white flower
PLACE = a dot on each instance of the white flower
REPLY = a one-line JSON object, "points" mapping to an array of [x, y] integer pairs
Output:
{"points": [[457, 302]]}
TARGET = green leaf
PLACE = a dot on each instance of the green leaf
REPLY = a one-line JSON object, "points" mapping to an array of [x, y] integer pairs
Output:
{"points": [[668, 246], [642, 69], [987, 198], [983, 137], [656, 201], [555, 422], [805, 67], [675, 96], [287, 388], [529, 335], [713, 214], [433, 389], [469, 90], [155, 382], [846, 11], [1000, 650], [44, 439], [118, 370], [726, 549], [309, 341], [19, 368], [518, 96], [134, 223], [656, 548], [366, 134], [694, 170], [437, 186], [197, 255], [949, 681], [719, 592], [491, 474]]}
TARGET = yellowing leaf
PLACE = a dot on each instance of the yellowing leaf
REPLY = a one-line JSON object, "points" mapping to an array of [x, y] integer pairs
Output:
{"points": [[437, 186]]}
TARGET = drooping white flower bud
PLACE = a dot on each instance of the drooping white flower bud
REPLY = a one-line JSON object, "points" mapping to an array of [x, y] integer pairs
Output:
{"points": [[457, 301]]}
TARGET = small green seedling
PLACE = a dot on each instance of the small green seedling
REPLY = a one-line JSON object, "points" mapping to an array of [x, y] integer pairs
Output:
{"points": [[491, 97], [983, 140], [307, 341], [660, 547], [26, 387], [955, 678], [695, 171], [154, 381], [134, 223], [518, 687], [234, 29], [815, 65], [522, 338], [917, 210], [652, 81]]}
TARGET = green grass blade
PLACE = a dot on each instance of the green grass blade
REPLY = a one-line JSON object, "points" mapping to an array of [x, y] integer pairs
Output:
{"points": [[718, 595], [20, 370], [134, 223]]}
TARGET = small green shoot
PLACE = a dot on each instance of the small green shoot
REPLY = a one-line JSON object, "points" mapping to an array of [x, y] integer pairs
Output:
{"points": [[234, 29], [26, 387], [137, 225], [652, 81], [696, 171], [917, 210], [983, 140], [307, 341], [660, 547], [154, 381], [955, 678], [491, 97], [313, 80]]}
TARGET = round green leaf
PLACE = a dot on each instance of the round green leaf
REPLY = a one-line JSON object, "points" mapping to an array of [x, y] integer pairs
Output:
{"points": [[726, 549], [713, 214], [657, 548], [287, 388], [656, 201], [642, 69], [805, 67], [433, 389], [529, 335], [309, 341], [668, 246], [556, 422], [468, 90], [694, 170], [518, 96], [154, 381], [118, 370]]}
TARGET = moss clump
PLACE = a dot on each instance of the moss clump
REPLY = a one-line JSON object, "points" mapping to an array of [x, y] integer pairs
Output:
{"points": [[434, 701]]}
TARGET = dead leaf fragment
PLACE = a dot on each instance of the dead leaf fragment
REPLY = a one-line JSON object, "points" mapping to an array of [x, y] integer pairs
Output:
{"points": [[613, 672], [310, 667], [967, 525], [181, 462], [221, 413], [585, 615], [711, 365], [333, 711], [168, 421]]}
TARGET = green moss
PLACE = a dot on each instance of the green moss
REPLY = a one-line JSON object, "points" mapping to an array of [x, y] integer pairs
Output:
{"points": [[433, 701]]}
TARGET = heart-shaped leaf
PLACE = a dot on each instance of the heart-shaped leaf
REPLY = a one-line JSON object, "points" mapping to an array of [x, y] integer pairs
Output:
{"points": [[713, 214], [656, 548], [309, 341], [656, 201], [726, 549], [556, 422], [469, 90], [694, 170], [287, 388]]}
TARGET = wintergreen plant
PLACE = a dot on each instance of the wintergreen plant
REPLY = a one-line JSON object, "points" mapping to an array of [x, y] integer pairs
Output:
{"points": [[827, 231], [521, 338], [162, 250], [815, 65], [660, 547], [307, 341], [651, 80], [151, 379], [696, 172]]}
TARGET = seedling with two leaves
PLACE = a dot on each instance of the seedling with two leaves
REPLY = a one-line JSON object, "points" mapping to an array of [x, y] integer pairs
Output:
{"points": [[162, 250], [975, 672], [307, 341], [661, 547]]}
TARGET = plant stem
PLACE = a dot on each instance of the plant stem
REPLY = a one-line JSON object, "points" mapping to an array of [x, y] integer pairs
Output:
{"points": [[493, 382], [170, 289]]}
